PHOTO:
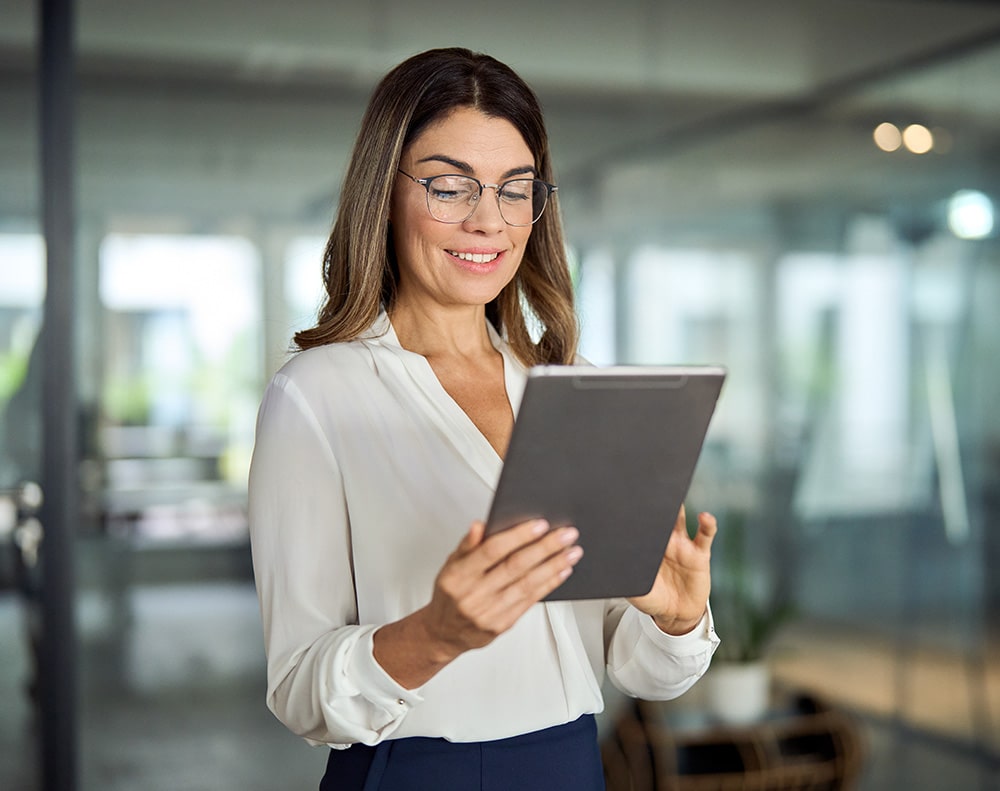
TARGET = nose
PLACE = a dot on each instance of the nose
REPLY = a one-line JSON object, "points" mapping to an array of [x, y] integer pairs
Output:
{"points": [[486, 216]]}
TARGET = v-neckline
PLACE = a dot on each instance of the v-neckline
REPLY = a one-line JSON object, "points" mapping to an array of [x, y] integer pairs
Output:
{"points": [[455, 423]]}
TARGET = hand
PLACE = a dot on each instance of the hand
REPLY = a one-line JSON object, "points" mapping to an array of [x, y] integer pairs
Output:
{"points": [[484, 587], [488, 583], [679, 596]]}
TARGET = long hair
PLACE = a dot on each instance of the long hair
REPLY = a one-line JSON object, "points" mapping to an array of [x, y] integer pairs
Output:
{"points": [[359, 268]]}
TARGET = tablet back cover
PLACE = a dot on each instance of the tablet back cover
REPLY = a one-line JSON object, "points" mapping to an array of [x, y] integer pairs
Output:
{"points": [[611, 451]]}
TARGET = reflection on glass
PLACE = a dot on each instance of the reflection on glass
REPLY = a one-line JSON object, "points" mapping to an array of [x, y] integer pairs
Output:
{"points": [[22, 289]]}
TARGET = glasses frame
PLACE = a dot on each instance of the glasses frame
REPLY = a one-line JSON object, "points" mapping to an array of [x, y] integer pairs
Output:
{"points": [[426, 184]]}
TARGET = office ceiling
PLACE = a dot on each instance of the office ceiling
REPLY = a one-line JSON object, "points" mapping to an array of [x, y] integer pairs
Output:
{"points": [[671, 118]]}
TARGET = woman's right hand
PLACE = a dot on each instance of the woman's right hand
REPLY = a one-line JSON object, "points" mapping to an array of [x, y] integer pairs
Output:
{"points": [[488, 583], [484, 587]]}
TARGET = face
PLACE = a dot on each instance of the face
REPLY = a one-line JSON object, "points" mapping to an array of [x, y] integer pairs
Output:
{"points": [[465, 263]]}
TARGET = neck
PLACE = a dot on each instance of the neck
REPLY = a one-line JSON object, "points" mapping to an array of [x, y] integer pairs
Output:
{"points": [[459, 331]]}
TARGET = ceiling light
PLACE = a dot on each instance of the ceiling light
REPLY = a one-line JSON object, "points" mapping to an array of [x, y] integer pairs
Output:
{"points": [[918, 138], [887, 136], [970, 214]]}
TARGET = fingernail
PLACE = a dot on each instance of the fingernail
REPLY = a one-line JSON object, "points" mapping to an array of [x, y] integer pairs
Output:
{"points": [[573, 555], [540, 527], [569, 535]]}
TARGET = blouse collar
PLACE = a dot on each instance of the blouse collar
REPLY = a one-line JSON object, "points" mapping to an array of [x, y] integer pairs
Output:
{"points": [[453, 421]]}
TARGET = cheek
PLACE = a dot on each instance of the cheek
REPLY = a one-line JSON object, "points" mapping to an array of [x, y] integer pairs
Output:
{"points": [[416, 239], [416, 234], [521, 238]]}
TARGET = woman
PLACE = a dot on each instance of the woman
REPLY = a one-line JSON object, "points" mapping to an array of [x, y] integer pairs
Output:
{"points": [[395, 632]]}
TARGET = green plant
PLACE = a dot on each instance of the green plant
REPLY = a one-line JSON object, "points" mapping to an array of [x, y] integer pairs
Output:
{"points": [[128, 400], [13, 370], [748, 612]]}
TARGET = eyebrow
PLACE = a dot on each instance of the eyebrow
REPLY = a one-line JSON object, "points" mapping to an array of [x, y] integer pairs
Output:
{"points": [[465, 167]]}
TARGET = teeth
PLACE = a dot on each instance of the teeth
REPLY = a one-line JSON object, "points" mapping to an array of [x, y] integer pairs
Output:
{"points": [[475, 258]]}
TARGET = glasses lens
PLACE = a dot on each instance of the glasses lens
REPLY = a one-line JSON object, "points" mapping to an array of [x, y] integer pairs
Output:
{"points": [[452, 198], [522, 201]]}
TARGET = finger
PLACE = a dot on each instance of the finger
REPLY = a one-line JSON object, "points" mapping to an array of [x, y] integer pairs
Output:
{"points": [[491, 609], [495, 548], [454, 569], [540, 580], [707, 528], [473, 538], [477, 568], [523, 560], [476, 536]]}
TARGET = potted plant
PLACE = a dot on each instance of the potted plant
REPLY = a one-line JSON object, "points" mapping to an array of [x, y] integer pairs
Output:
{"points": [[748, 613]]}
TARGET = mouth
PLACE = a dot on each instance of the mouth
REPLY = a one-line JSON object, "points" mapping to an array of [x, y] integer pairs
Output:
{"points": [[475, 258]]}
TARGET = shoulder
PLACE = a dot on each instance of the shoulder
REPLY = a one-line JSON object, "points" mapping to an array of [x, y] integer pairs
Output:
{"points": [[346, 354], [324, 368]]}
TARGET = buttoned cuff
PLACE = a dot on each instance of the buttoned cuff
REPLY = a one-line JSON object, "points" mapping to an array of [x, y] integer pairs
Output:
{"points": [[688, 644]]}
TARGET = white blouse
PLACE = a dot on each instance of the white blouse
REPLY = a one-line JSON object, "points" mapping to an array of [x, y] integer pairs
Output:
{"points": [[365, 476]]}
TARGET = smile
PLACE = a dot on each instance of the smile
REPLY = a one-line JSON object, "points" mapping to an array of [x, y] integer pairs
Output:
{"points": [[475, 258]]}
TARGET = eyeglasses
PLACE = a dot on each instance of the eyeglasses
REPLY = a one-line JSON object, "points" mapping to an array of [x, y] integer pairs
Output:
{"points": [[454, 198]]}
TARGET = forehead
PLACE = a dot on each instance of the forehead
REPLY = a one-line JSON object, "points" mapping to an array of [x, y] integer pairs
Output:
{"points": [[470, 136]]}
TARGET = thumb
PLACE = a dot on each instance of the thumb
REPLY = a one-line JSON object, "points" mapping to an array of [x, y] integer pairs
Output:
{"points": [[707, 528], [472, 539]]}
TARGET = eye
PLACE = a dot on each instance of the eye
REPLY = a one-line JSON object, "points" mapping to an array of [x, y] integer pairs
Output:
{"points": [[445, 195], [449, 189], [517, 191]]}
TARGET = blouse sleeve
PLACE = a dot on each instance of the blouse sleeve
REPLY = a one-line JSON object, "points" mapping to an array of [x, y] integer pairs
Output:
{"points": [[323, 681], [646, 663]]}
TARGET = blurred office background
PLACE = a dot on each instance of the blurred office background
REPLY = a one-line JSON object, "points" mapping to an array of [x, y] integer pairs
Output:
{"points": [[802, 191]]}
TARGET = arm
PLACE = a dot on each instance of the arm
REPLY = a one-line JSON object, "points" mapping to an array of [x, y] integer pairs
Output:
{"points": [[323, 681]]}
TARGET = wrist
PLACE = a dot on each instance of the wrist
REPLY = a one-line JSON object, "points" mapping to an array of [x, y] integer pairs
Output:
{"points": [[438, 650], [406, 650], [677, 627]]}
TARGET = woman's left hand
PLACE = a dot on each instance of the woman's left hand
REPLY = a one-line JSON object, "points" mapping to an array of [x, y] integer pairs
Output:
{"points": [[679, 596]]}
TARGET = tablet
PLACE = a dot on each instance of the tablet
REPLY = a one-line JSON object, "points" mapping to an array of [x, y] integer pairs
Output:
{"points": [[612, 452]]}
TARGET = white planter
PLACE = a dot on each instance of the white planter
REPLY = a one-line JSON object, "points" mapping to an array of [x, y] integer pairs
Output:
{"points": [[738, 692]]}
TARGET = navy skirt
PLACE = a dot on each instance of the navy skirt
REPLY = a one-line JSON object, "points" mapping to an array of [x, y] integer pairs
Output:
{"points": [[563, 757]]}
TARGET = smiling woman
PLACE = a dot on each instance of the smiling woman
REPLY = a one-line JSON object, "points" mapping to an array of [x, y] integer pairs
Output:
{"points": [[396, 632], [416, 95]]}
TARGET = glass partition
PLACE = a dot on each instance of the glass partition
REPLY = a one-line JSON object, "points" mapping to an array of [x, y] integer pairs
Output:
{"points": [[22, 291], [181, 376]]}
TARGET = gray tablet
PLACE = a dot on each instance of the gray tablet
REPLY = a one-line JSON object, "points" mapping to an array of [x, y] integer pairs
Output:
{"points": [[611, 451]]}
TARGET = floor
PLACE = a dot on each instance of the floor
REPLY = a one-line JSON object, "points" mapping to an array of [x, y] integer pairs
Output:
{"points": [[177, 704], [172, 698]]}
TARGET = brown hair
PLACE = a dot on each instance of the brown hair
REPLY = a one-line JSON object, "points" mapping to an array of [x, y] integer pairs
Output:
{"points": [[359, 267]]}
